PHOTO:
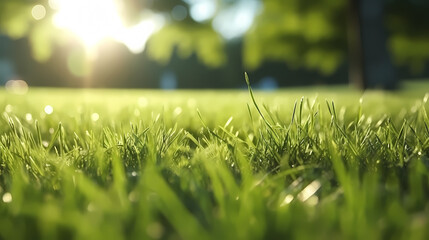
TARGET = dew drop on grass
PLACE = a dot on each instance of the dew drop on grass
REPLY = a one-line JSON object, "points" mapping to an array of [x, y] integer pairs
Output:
{"points": [[295, 183], [8, 108], [177, 111], [228, 122], [49, 109], [51, 130], [28, 117], [312, 201], [288, 199], [134, 173], [45, 143], [369, 120], [251, 136], [309, 191], [95, 117], [7, 197]]}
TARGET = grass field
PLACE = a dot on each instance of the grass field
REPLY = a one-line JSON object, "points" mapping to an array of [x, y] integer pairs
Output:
{"points": [[325, 163]]}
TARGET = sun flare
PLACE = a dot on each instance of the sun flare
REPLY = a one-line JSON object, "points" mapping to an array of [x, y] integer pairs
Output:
{"points": [[95, 20]]}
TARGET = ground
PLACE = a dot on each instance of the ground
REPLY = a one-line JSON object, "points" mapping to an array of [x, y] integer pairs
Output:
{"points": [[307, 163]]}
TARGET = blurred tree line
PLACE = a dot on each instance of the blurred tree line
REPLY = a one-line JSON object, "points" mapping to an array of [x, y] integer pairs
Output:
{"points": [[370, 36]]}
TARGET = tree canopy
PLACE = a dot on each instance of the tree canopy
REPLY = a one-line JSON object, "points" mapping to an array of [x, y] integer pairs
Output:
{"points": [[301, 33]]}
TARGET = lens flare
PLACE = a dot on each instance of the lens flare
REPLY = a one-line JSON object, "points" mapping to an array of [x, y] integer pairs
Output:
{"points": [[91, 20], [95, 20]]}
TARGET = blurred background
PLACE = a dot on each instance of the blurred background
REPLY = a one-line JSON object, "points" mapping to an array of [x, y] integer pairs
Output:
{"points": [[173, 44]]}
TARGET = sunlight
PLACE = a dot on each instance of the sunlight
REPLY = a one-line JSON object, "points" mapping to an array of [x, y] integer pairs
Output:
{"points": [[92, 20], [135, 37], [95, 20], [234, 21]]}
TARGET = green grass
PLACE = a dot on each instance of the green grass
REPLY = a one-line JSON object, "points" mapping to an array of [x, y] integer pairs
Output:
{"points": [[135, 164]]}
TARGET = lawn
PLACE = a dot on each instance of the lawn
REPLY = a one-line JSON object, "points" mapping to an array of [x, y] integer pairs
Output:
{"points": [[302, 163]]}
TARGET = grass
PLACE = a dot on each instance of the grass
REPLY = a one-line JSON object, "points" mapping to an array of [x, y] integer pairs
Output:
{"points": [[133, 164]]}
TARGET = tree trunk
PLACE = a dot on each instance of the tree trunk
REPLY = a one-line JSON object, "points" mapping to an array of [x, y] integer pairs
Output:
{"points": [[356, 76], [370, 65]]}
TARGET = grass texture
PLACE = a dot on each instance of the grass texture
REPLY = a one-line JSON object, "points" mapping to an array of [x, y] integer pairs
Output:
{"points": [[139, 164]]}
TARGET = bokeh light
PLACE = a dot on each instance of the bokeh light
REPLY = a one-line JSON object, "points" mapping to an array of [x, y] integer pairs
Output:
{"points": [[28, 117], [17, 86], [8, 108], [179, 13], [49, 109], [38, 12], [236, 20], [203, 10], [54, 4], [135, 37], [95, 117], [7, 197]]}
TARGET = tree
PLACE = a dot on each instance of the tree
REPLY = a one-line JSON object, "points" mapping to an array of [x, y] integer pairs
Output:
{"points": [[301, 33], [409, 33], [17, 21], [320, 34], [317, 35], [314, 36]]}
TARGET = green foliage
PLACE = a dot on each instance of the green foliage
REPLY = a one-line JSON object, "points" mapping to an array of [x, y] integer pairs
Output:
{"points": [[309, 34], [41, 39], [15, 17], [161, 165], [16, 21], [409, 41], [408, 51], [201, 40], [314, 35], [300, 33]]}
